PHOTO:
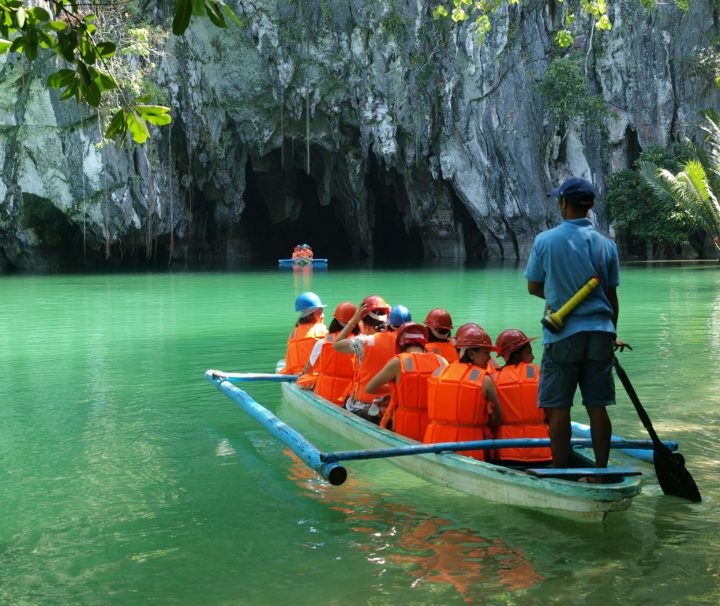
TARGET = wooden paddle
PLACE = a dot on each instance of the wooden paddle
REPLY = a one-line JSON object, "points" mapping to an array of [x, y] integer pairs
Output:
{"points": [[672, 476]]}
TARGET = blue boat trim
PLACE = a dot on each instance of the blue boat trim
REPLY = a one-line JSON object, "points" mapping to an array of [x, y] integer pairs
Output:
{"points": [[578, 472]]}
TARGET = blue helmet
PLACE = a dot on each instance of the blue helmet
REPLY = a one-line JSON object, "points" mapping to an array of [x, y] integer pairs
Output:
{"points": [[307, 301], [399, 314]]}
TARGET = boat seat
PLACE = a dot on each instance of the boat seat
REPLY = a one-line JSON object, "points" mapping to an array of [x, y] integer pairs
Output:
{"points": [[579, 472]]}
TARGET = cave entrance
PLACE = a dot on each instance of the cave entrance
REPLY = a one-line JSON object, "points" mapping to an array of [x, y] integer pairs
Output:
{"points": [[476, 247], [387, 196], [270, 192]]}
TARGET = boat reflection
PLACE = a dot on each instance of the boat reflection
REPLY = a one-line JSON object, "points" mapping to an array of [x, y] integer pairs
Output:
{"points": [[427, 548]]}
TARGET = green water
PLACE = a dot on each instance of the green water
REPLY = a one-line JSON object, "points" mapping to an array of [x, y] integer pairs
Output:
{"points": [[128, 479]]}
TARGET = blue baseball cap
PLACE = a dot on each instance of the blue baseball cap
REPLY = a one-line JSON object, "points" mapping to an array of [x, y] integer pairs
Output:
{"points": [[575, 190]]}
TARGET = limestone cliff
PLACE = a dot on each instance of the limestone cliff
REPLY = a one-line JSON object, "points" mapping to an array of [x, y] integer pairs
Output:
{"points": [[364, 128]]}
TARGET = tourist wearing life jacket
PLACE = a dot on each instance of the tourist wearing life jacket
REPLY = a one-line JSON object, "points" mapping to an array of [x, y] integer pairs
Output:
{"points": [[328, 371], [407, 374], [462, 401], [439, 324], [399, 314], [372, 350], [308, 329], [516, 384]]}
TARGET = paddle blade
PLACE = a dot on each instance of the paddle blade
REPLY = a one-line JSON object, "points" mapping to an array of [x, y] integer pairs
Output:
{"points": [[673, 477]]}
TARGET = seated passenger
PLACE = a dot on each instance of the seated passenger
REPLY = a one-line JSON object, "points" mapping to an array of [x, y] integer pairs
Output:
{"points": [[308, 329], [399, 314], [328, 371], [462, 401], [439, 324], [407, 373], [517, 388], [372, 349]]}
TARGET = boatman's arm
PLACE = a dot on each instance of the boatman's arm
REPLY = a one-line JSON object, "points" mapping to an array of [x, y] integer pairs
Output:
{"points": [[537, 289]]}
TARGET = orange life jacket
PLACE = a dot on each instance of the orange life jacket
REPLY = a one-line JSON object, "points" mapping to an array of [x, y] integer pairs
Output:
{"points": [[409, 395], [299, 346], [335, 373], [517, 389], [457, 408], [445, 349], [379, 348]]}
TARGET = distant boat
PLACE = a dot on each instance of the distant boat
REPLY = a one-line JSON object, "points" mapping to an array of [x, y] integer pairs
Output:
{"points": [[303, 262]]}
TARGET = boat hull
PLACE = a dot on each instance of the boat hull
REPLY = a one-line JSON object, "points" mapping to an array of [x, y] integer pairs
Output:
{"points": [[491, 482], [303, 262]]}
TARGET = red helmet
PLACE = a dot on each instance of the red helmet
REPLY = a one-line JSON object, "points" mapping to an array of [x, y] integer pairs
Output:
{"points": [[473, 335], [376, 303], [344, 312], [439, 318], [511, 340], [410, 332]]}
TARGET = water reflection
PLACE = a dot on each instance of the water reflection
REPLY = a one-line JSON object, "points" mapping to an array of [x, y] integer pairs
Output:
{"points": [[428, 549]]}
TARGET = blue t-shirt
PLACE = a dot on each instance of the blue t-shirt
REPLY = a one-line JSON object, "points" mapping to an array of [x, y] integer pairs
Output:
{"points": [[563, 259]]}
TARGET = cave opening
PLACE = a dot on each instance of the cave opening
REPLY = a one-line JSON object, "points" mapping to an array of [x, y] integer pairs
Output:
{"points": [[392, 243], [282, 209], [476, 247]]}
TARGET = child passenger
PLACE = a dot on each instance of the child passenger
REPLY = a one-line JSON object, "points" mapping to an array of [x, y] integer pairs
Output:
{"points": [[517, 388]]}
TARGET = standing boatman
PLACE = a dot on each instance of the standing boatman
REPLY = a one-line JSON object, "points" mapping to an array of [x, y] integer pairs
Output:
{"points": [[579, 350]]}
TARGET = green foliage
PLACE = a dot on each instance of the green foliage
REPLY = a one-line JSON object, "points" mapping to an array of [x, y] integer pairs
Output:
{"points": [[694, 191], [566, 93], [392, 23], [671, 193], [705, 64], [68, 30]]}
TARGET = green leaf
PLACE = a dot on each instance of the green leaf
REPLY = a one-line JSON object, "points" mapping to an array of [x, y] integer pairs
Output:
{"points": [[20, 17], [604, 23], [155, 114], [198, 8], [137, 127], [181, 16], [45, 40], [117, 126], [57, 26], [230, 14], [39, 14], [439, 12], [31, 44], [106, 49], [105, 81], [61, 78], [4, 45], [67, 45], [215, 14], [87, 50], [91, 93], [564, 38]]}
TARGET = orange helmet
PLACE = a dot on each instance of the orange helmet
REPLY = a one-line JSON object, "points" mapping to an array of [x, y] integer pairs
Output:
{"points": [[376, 303], [344, 312], [439, 318], [410, 332], [473, 335], [511, 340]]}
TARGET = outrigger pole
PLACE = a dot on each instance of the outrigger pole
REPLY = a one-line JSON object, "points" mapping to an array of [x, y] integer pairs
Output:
{"points": [[327, 463]]}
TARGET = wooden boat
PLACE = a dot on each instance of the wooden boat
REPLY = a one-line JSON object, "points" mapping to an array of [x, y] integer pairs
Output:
{"points": [[491, 482], [303, 262]]}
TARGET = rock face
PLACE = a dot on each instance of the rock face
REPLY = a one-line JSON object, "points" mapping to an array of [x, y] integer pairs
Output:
{"points": [[364, 128]]}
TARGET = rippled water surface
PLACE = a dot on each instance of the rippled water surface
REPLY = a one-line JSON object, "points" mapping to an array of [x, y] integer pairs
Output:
{"points": [[126, 478]]}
